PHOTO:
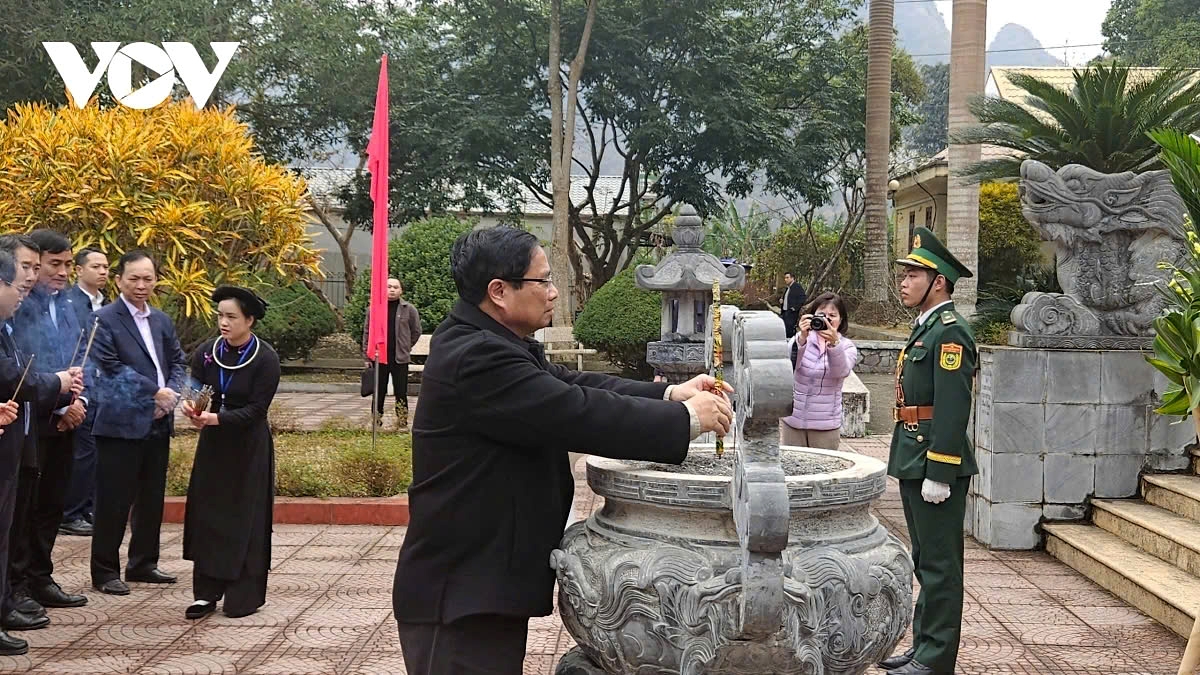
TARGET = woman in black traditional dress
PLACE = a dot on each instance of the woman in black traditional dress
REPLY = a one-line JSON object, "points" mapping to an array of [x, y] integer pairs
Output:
{"points": [[227, 527]]}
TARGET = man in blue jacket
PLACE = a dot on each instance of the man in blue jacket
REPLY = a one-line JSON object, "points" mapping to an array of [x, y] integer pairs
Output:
{"points": [[141, 371]]}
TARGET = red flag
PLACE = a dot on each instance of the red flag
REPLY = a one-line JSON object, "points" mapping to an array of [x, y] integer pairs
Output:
{"points": [[377, 164]]}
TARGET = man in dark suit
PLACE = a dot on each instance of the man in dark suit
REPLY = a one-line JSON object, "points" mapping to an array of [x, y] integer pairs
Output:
{"points": [[46, 325], [140, 371], [792, 303], [40, 390], [492, 486], [86, 296]]}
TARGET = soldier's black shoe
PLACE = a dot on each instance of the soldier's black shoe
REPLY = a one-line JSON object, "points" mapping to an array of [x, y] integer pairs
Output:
{"points": [[899, 660], [11, 646], [77, 528], [915, 668], [16, 620]]}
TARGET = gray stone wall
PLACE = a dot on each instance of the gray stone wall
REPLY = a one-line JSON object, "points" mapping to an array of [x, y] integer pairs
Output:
{"points": [[1054, 428], [877, 356]]}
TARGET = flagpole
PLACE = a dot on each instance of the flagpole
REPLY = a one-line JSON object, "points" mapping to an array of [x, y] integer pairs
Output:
{"points": [[374, 417]]}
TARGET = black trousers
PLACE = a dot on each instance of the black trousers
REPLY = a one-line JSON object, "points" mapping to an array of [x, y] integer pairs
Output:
{"points": [[790, 319], [129, 473], [399, 374], [483, 644], [242, 596], [81, 491], [56, 457], [10, 463], [18, 532]]}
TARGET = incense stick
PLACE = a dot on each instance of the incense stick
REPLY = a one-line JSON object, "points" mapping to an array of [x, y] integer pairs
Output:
{"points": [[88, 350], [22, 380]]}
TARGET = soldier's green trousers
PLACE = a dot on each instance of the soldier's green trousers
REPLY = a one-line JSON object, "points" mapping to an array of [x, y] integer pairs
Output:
{"points": [[936, 532]]}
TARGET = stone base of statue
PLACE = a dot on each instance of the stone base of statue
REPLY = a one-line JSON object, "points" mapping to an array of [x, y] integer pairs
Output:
{"points": [[655, 582]]}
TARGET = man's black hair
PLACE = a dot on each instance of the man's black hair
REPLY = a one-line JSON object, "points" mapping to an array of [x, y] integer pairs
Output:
{"points": [[478, 256]]}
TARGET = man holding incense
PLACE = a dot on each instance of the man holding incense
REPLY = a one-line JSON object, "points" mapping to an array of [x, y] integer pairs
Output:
{"points": [[47, 324], [23, 392]]}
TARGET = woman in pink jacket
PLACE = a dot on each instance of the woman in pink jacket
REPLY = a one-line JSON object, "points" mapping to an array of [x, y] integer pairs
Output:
{"points": [[824, 360]]}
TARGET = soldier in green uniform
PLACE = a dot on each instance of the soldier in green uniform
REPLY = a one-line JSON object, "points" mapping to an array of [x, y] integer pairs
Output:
{"points": [[931, 454]]}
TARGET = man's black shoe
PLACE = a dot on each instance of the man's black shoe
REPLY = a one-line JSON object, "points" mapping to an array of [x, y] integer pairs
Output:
{"points": [[11, 646], [154, 576], [112, 587], [52, 595], [894, 662], [16, 620], [25, 604], [200, 609], [77, 528]]}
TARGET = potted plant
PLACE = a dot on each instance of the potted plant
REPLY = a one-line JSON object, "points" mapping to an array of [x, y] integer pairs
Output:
{"points": [[1177, 330]]}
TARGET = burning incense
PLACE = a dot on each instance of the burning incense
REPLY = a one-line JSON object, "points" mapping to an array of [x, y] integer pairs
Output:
{"points": [[22, 380], [718, 360]]}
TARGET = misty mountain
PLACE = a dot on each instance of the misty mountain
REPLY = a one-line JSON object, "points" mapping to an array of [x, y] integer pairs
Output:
{"points": [[1013, 37]]}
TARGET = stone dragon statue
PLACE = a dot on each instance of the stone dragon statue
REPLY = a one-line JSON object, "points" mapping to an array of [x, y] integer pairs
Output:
{"points": [[1110, 232]]}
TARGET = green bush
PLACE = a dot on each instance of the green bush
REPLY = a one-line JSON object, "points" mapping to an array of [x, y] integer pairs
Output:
{"points": [[295, 320], [620, 319], [420, 258], [1009, 247], [791, 249], [319, 464]]}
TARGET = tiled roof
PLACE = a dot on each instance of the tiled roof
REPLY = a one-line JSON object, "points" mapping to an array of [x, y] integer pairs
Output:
{"points": [[324, 183]]}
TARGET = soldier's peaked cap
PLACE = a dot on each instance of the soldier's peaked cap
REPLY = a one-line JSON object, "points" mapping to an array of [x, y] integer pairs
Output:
{"points": [[929, 253]]}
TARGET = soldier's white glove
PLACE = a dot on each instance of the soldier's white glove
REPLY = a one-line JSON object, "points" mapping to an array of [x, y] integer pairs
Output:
{"points": [[934, 492]]}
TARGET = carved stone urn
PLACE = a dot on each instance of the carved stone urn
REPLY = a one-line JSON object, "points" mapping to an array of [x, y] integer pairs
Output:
{"points": [[764, 560]]}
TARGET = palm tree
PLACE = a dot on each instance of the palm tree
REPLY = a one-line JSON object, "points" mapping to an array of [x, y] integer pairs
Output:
{"points": [[1101, 123], [878, 148], [968, 37], [731, 235]]}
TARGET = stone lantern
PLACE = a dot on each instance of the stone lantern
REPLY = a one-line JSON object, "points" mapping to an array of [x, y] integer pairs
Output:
{"points": [[685, 278]]}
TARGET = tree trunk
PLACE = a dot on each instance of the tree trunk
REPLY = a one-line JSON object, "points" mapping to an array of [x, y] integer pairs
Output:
{"points": [[562, 145], [967, 72], [343, 241], [878, 148]]}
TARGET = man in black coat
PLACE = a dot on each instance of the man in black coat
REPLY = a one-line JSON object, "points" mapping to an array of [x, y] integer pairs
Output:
{"points": [[141, 371], [87, 295], [46, 325], [792, 303], [492, 486], [38, 390]]}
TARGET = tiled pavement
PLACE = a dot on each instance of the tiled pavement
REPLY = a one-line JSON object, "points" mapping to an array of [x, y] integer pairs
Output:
{"points": [[330, 599]]}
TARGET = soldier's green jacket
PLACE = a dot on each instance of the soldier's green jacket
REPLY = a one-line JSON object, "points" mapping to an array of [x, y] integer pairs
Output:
{"points": [[936, 367]]}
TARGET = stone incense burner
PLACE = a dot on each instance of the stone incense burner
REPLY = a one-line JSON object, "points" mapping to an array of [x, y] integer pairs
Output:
{"points": [[766, 560]]}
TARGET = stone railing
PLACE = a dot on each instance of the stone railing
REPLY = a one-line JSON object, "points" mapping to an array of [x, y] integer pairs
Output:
{"points": [[877, 356]]}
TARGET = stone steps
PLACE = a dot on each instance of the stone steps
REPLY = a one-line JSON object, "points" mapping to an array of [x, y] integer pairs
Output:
{"points": [[1160, 589], [1179, 493], [1157, 531]]}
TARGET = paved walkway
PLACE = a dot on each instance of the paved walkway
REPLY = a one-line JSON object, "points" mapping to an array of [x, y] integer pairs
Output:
{"points": [[329, 611]]}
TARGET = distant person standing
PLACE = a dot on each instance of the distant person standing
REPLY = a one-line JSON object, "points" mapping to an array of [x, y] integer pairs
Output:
{"points": [[403, 331], [87, 296], [791, 304], [141, 372]]}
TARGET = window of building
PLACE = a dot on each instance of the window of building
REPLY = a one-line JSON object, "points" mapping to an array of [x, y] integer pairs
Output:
{"points": [[929, 217]]}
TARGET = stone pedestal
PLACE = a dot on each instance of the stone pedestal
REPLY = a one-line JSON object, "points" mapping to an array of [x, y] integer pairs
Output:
{"points": [[1053, 428]]}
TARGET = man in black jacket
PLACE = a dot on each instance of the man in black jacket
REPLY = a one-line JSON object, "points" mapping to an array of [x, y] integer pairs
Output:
{"points": [[492, 486], [791, 304]]}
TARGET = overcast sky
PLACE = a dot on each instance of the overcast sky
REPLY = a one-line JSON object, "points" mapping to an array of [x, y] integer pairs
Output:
{"points": [[1053, 23]]}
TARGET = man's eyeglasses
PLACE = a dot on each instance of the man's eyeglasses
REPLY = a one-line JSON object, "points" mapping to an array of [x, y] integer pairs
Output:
{"points": [[546, 282]]}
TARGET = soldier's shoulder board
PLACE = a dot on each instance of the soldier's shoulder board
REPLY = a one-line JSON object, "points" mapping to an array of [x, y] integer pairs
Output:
{"points": [[948, 317]]}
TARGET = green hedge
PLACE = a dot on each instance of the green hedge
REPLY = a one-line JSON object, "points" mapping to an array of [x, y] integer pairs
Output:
{"points": [[420, 258], [620, 319], [295, 320], [319, 464]]}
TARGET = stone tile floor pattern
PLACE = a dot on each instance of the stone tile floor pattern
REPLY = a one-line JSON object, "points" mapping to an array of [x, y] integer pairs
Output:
{"points": [[329, 611]]}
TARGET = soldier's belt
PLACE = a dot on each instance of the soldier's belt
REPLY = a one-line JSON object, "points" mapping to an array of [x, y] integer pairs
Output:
{"points": [[911, 414]]}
